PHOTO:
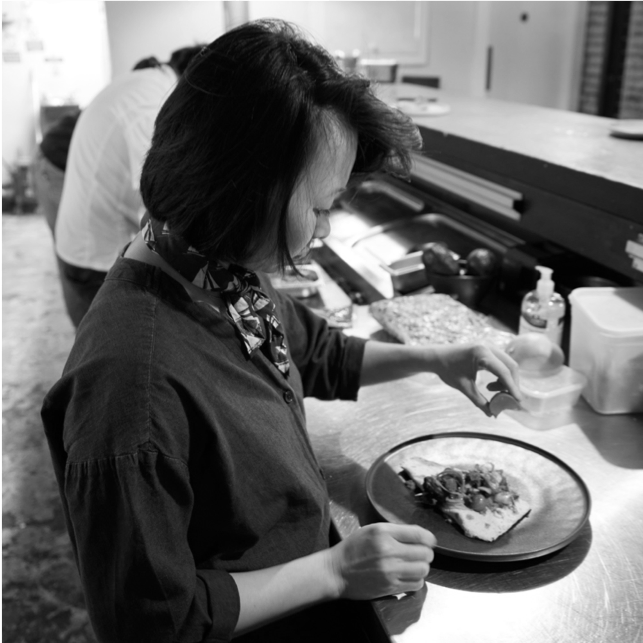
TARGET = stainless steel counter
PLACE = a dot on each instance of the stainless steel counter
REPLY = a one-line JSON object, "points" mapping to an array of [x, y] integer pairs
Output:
{"points": [[560, 138], [591, 591], [581, 188]]}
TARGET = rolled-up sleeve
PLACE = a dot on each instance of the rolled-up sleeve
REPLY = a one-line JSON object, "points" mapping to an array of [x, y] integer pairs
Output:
{"points": [[129, 516]]}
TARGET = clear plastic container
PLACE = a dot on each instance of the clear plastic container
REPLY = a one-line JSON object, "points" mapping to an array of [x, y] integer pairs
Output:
{"points": [[606, 345], [551, 394]]}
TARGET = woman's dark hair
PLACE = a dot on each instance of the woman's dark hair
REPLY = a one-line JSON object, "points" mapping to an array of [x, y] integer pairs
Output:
{"points": [[147, 63], [181, 58], [232, 139]]}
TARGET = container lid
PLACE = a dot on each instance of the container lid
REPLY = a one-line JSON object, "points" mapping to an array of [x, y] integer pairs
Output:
{"points": [[554, 387], [616, 311]]}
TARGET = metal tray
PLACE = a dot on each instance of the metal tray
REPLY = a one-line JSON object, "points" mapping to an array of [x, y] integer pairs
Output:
{"points": [[407, 274], [396, 246]]}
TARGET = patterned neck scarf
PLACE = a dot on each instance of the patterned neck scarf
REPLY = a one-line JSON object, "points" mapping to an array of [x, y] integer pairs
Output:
{"points": [[249, 307]]}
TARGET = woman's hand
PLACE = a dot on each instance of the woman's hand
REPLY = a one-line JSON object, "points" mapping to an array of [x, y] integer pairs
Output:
{"points": [[376, 560], [381, 559], [458, 367]]}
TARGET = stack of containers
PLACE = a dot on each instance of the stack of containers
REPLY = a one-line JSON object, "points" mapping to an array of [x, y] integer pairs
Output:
{"points": [[606, 345]]}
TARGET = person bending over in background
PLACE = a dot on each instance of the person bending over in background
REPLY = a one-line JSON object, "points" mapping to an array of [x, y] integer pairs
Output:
{"points": [[101, 206], [195, 504], [50, 162]]}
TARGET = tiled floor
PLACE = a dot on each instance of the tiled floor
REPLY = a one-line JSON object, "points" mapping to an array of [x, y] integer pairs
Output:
{"points": [[42, 598]]}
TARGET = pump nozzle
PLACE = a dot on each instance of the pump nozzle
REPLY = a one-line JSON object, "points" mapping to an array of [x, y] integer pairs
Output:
{"points": [[545, 285]]}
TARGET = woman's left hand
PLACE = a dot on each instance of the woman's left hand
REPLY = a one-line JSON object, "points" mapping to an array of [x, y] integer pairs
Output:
{"points": [[458, 367]]}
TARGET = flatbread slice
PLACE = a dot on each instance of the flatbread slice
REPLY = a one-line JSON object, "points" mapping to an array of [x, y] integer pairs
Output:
{"points": [[488, 524]]}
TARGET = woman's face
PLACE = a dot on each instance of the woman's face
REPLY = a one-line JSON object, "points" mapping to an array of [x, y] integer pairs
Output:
{"points": [[320, 183], [326, 177]]}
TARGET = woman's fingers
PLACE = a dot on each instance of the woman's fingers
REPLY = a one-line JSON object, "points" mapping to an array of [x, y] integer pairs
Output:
{"points": [[381, 559], [413, 553], [413, 573], [505, 369], [410, 543], [414, 587], [459, 366], [468, 387], [411, 534], [496, 362]]}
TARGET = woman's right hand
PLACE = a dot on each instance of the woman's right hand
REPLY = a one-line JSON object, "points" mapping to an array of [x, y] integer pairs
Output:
{"points": [[382, 559]]}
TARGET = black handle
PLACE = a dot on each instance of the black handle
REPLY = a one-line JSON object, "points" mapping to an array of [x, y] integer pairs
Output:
{"points": [[489, 67]]}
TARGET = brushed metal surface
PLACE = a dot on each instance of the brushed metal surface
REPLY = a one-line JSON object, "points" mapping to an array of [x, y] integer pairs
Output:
{"points": [[591, 591]]}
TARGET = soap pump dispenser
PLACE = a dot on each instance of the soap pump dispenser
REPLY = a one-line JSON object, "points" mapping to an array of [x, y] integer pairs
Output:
{"points": [[543, 309]]}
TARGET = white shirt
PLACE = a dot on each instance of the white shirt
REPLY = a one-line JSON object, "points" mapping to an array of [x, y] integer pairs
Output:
{"points": [[101, 206]]}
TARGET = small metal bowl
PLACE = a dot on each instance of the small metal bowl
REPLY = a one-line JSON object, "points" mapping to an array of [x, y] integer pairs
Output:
{"points": [[383, 71], [468, 289]]}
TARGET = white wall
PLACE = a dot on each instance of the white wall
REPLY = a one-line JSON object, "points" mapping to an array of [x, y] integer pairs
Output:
{"points": [[141, 29], [535, 61], [448, 32], [84, 35], [383, 29], [451, 47], [83, 67], [455, 40], [537, 51], [18, 127], [52, 62]]}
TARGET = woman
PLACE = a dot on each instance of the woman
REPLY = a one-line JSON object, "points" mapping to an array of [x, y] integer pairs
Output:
{"points": [[195, 504]]}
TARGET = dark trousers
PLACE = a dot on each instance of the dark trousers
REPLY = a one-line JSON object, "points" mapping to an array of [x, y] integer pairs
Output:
{"points": [[48, 186], [80, 286]]}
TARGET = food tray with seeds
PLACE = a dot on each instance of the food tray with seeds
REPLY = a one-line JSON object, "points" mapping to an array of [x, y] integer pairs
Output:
{"points": [[436, 319]]}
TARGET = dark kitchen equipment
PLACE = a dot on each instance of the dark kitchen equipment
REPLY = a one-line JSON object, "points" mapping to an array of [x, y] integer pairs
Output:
{"points": [[379, 227], [396, 246], [546, 199], [468, 289]]}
